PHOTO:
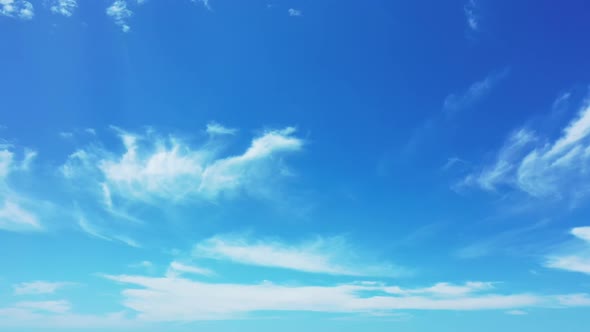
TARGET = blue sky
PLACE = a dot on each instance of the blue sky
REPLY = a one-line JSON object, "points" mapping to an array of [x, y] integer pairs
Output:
{"points": [[294, 164]]}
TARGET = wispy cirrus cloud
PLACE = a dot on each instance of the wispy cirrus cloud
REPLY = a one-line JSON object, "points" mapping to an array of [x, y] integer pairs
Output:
{"points": [[59, 307], [453, 105], [320, 255], [153, 167], [14, 217], [575, 256], [98, 233], [39, 287], [15, 210], [17, 8], [540, 166], [457, 102]]}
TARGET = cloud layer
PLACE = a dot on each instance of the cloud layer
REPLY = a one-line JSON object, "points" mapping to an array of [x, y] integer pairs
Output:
{"points": [[178, 299]]}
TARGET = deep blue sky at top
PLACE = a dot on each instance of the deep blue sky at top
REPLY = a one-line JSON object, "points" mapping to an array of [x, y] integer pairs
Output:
{"points": [[364, 83], [357, 79]]}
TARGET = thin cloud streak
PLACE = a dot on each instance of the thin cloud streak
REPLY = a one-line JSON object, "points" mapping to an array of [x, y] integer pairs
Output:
{"points": [[321, 255]]}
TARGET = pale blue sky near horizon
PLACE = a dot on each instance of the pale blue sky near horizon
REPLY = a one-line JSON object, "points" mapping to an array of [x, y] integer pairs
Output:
{"points": [[319, 165]]}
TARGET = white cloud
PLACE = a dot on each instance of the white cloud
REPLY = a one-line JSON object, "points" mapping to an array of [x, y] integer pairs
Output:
{"points": [[541, 168], [14, 217], [456, 102], [498, 173], [582, 233], [63, 7], [295, 12], [59, 307], [575, 263], [574, 300], [217, 129], [329, 256], [128, 241], [6, 159], [30, 155], [178, 299], [8, 164], [575, 257], [15, 210], [471, 15], [444, 289], [231, 173], [120, 13], [106, 192], [38, 287], [176, 269], [17, 8], [153, 168]]}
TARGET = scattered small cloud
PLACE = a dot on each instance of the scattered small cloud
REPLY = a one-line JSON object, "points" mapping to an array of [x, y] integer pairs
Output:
{"points": [[66, 134], [120, 13], [471, 15], [295, 12], [63, 7], [205, 3], [217, 129], [176, 269], [17, 8], [516, 312], [143, 264]]}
